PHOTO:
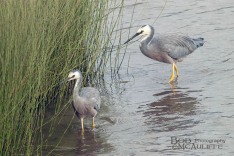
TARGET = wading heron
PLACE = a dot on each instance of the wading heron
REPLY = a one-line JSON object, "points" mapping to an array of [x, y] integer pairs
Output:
{"points": [[86, 100], [167, 48]]}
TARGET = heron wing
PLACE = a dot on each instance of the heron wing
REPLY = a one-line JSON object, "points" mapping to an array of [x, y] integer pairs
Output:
{"points": [[92, 95], [176, 46]]}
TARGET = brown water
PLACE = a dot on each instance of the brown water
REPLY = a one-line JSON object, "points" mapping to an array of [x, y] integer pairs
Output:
{"points": [[141, 113]]}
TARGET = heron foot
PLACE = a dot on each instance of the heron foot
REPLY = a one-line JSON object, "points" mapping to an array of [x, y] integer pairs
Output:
{"points": [[174, 68], [82, 135], [93, 124], [82, 124], [172, 74], [171, 78]]}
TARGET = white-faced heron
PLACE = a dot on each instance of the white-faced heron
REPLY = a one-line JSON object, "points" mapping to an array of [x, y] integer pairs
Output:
{"points": [[167, 48], [86, 100]]}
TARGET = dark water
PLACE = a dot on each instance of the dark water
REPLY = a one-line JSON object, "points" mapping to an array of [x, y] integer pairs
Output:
{"points": [[142, 114]]}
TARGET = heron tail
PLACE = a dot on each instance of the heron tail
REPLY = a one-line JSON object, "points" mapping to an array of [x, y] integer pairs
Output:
{"points": [[199, 41]]}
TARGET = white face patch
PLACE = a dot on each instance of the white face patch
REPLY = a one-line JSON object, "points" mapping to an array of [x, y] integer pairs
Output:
{"points": [[74, 75], [146, 30]]}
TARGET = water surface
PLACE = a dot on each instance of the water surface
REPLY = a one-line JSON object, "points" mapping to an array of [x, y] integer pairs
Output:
{"points": [[141, 111]]}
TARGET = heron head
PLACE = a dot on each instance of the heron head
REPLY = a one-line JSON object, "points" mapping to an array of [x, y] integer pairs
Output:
{"points": [[74, 75], [144, 30]]}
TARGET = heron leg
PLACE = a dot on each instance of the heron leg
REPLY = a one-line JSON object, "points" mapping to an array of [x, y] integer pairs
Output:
{"points": [[82, 124], [176, 69], [173, 73], [93, 125]]}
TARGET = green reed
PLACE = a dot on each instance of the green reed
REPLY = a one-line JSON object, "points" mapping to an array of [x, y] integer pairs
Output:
{"points": [[40, 42]]}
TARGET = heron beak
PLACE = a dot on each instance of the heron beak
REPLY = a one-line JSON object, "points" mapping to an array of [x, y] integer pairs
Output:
{"points": [[133, 37], [70, 78]]}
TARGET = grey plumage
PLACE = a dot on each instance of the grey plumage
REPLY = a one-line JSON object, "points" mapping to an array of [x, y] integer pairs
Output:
{"points": [[167, 48], [176, 46], [87, 103], [86, 100]]}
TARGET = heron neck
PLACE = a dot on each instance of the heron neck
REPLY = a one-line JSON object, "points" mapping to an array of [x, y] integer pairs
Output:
{"points": [[77, 87], [146, 40]]}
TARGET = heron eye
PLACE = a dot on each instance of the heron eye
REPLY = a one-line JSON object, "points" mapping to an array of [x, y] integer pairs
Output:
{"points": [[73, 76]]}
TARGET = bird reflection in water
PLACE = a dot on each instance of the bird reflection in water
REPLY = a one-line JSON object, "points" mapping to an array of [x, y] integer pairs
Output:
{"points": [[91, 142], [173, 111]]}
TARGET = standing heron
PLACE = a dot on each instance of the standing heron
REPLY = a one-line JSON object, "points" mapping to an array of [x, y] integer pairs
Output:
{"points": [[169, 48], [86, 100]]}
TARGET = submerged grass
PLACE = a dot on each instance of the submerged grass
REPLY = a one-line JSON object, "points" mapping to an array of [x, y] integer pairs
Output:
{"points": [[40, 42]]}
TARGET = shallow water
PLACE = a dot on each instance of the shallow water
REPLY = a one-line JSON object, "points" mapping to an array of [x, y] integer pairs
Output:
{"points": [[142, 114]]}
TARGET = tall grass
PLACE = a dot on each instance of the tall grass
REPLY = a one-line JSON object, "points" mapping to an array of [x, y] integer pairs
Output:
{"points": [[40, 42]]}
